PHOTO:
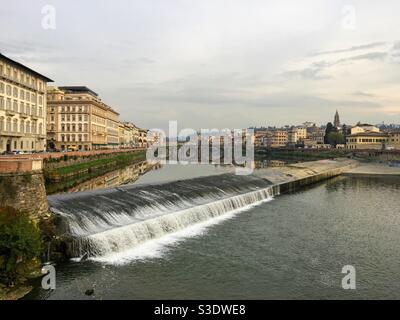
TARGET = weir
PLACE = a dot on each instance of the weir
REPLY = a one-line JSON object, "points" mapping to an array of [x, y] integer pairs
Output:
{"points": [[104, 222]]}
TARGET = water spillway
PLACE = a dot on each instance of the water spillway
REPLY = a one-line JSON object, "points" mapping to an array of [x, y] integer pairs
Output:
{"points": [[105, 222]]}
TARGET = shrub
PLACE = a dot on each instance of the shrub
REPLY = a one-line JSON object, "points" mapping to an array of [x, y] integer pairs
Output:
{"points": [[19, 242]]}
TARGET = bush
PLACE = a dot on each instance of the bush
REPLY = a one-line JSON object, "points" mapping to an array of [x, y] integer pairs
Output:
{"points": [[19, 242]]}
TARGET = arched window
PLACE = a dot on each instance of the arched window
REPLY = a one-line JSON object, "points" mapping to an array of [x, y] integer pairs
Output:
{"points": [[28, 127], [1, 123], [40, 128]]}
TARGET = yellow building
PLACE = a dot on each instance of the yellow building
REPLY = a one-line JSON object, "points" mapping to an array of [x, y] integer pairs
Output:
{"points": [[296, 135], [367, 141], [128, 135], [277, 139], [79, 120], [22, 107], [142, 138]]}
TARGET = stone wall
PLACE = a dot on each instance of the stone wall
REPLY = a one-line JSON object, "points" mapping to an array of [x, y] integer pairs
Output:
{"points": [[24, 190]]}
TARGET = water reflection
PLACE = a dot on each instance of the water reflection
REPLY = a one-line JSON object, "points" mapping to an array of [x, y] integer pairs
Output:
{"points": [[121, 176], [118, 177]]}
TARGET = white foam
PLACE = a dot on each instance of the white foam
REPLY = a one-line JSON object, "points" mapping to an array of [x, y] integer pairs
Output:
{"points": [[159, 247]]}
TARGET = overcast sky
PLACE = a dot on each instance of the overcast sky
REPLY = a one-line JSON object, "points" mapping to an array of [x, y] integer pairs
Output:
{"points": [[217, 64]]}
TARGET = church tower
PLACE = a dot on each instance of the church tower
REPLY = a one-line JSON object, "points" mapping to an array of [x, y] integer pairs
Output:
{"points": [[336, 121]]}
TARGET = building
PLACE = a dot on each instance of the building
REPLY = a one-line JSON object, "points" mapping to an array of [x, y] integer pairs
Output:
{"points": [[394, 140], [22, 107], [359, 128], [296, 135], [79, 120], [142, 138], [277, 139], [129, 135], [367, 140], [336, 121]]}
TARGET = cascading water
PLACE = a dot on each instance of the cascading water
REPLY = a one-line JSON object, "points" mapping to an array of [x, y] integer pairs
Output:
{"points": [[109, 221]]}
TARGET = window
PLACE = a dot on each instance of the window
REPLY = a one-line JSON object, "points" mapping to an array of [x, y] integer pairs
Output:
{"points": [[1, 87], [8, 125], [22, 127]]}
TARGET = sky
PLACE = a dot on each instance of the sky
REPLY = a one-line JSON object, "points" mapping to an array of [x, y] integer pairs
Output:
{"points": [[217, 63]]}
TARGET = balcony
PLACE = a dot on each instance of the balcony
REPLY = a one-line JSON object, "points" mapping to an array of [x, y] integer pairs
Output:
{"points": [[10, 133], [10, 112], [24, 115]]}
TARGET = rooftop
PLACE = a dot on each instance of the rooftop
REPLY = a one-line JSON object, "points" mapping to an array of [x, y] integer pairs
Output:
{"points": [[78, 89], [25, 68], [369, 134]]}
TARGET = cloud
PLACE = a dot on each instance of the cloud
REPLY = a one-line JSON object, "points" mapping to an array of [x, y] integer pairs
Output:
{"points": [[366, 56], [352, 49], [363, 94]]}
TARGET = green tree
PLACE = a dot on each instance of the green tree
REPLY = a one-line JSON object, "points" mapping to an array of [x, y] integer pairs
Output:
{"points": [[19, 241], [328, 130], [335, 138]]}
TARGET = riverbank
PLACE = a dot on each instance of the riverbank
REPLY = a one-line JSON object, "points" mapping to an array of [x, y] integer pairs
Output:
{"points": [[368, 169], [100, 164]]}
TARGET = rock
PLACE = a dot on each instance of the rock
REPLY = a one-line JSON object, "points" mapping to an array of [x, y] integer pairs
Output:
{"points": [[89, 292]]}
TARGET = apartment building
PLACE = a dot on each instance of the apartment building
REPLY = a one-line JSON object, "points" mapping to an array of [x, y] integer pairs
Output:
{"points": [[128, 135], [394, 140], [22, 107], [277, 139], [79, 120], [142, 138], [296, 135]]}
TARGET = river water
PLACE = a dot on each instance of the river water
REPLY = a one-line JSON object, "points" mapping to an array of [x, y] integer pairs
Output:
{"points": [[288, 246]]}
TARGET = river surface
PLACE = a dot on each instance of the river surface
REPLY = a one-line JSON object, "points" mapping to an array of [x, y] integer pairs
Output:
{"points": [[291, 246]]}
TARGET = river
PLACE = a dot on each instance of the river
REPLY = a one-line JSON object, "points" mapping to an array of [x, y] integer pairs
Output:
{"points": [[288, 246]]}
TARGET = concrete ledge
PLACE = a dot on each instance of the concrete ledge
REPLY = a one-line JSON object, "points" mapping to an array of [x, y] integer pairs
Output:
{"points": [[367, 170], [292, 177]]}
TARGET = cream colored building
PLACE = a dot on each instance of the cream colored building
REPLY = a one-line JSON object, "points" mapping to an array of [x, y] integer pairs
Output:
{"points": [[364, 128], [296, 135], [367, 137], [128, 135], [22, 107], [79, 120], [394, 140], [367, 140], [277, 139], [142, 138]]}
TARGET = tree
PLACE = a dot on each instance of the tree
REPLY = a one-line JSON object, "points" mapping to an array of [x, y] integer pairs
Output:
{"points": [[335, 138], [329, 128], [19, 241]]}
